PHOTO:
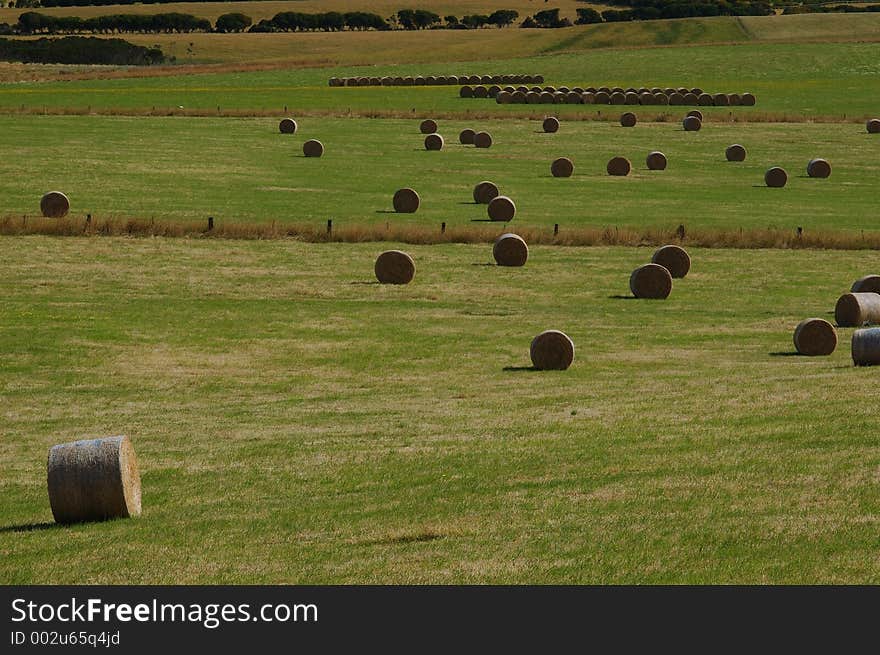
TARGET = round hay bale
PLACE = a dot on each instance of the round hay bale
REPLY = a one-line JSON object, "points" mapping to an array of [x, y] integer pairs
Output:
{"points": [[546, 98], [552, 350], [518, 97], [656, 161], [406, 201], [734, 99], [775, 177], [501, 208], [537, 89], [691, 124], [533, 98], [375, 81], [550, 89], [695, 112], [394, 267], [683, 91], [485, 192], [602, 98], [720, 100], [704, 99], [651, 281], [619, 166], [466, 136], [867, 284], [588, 98], [486, 79], [387, 81], [482, 140], [510, 250], [473, 79], [661, 99], [603, 89], [551, 124], [748, 99], [287, 126], [818, 168], [815, 337], [669, 90], [674, 259], [465, 92], [590, 89], [504, 97], [93, 480], [363, 81], [866, 347], [577, 89], [481, 92], [409, 80], [857, 309], [574, 97], [428, 126], [433, 142], [430, 80], [676, 99], [873, 126], [351, 81], [494, 90], [646, 98], [54, 205], [735, 152], [628, 119], [509, 89], [697, 90], [631, 98], [453, 80], [562, 167], [313, 148], [691, 99], [618, 89], [334, 81], [563, 89], [618, 98], [398, 81], [497, 79]]}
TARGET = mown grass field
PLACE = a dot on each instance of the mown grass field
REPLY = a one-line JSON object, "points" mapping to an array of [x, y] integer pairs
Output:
{"points": [[296, 422], [244, 170]]}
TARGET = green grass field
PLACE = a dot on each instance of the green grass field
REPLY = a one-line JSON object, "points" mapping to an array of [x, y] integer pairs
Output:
{"points": [[296, 422]]}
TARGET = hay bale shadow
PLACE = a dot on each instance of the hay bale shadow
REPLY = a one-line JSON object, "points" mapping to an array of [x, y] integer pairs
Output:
{"points": [[365, 282], [29, 527], [618, 296], [512, 369], [786, 353], [386, 211], [484, 264]]}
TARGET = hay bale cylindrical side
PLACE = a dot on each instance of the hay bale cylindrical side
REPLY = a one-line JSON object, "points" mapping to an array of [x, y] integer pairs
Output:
{"points": [[618, 98], [433, 142], [872, 125], [628, 119], [482, 140], [552, 350], [815, 337], [775, 177], [618, 166], [510, 250], [287, 126], [735, 152], [466, 92], [721, 100], [394, 267], [691, 124], [481, 92], [819, 168], [54, 205], [551, 124], [867, 284], [857, 309], [748, 99], [313, 148], [93, 480], [866, 347], [651, 281], [501, 208], [676, 99], [674, 259], [428, 126], [406, 201], [466, 136], [656, 161], [562, 167], [485, 192]]}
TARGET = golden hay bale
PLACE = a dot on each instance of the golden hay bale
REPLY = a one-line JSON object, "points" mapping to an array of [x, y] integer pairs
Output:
{"points": [[735, 152], [394, 267], [562, 167], [618, 98], [501, 208], [533, 97], [651, 281], [867, 284], [748, 99], [815, 337], [720, 100], [428, 126], [466, 92], [866, 347], [676, 99], [406, 201], [577, 89], [873, 126], [550, 89], [398, 81], [313, 148], [481, 92], [287, 126], [510, 250], [602, 98], [433, 142], [669, 90], [351, 81], [54, 205], [691, 124], [484, 192], [94, 480], [552, 350], [857, 309], [734, 99], [818, 168], [482, 140], [775, 177], [691, 99], [656, 161], [466, 136], [618, 166], [697, 90], [683, 91], [551, 124], [628, 119], [674, 259], [695, 112]]}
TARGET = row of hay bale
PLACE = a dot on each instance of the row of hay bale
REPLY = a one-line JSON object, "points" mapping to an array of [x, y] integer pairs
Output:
{"points": [[435, 80], [580, 96], [468, 136]]}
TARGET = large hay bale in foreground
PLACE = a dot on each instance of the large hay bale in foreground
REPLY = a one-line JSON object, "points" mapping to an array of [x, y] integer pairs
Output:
{"points": [[562, 167], [551, 124], [691, 124], [656, 161], [433, 142], [484, 192], [867, 284], [287, 126], [735, 152], [482, 140], [857, 309], [466, 136], [394, 267], [873, 126], [818, 168], [406, 201], [552, 350], [628, 119], [651, 281], [94, 480], [313, 148], [815, 337], [866, 347], [775, 177], [674, 259], [54, 205], [428, 126], [510, 250], [501, 208], [619, 166]]}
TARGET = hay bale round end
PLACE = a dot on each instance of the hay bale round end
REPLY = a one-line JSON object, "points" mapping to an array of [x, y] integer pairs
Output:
{"points": [[674, 259], [551, 124], [501, 208], [482, 140], [656, 161], [873, 126], [618, 166], [628, 119], [287, 126], [485, 192], [562, 167], [428, 126], [406, 201], [691, 124], [735, 152], [651, 281], [433, 142], [819, 168], [775, 177], [552, 350], [54, 205], [466, 136], [313, 148], [510, 250], [394, 267], [815, 337]]}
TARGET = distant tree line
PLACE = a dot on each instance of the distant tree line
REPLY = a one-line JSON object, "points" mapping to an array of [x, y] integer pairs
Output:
{"points": [[331, 21], [80, 50], [829, 9], [32, 22], [660, 9]]}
